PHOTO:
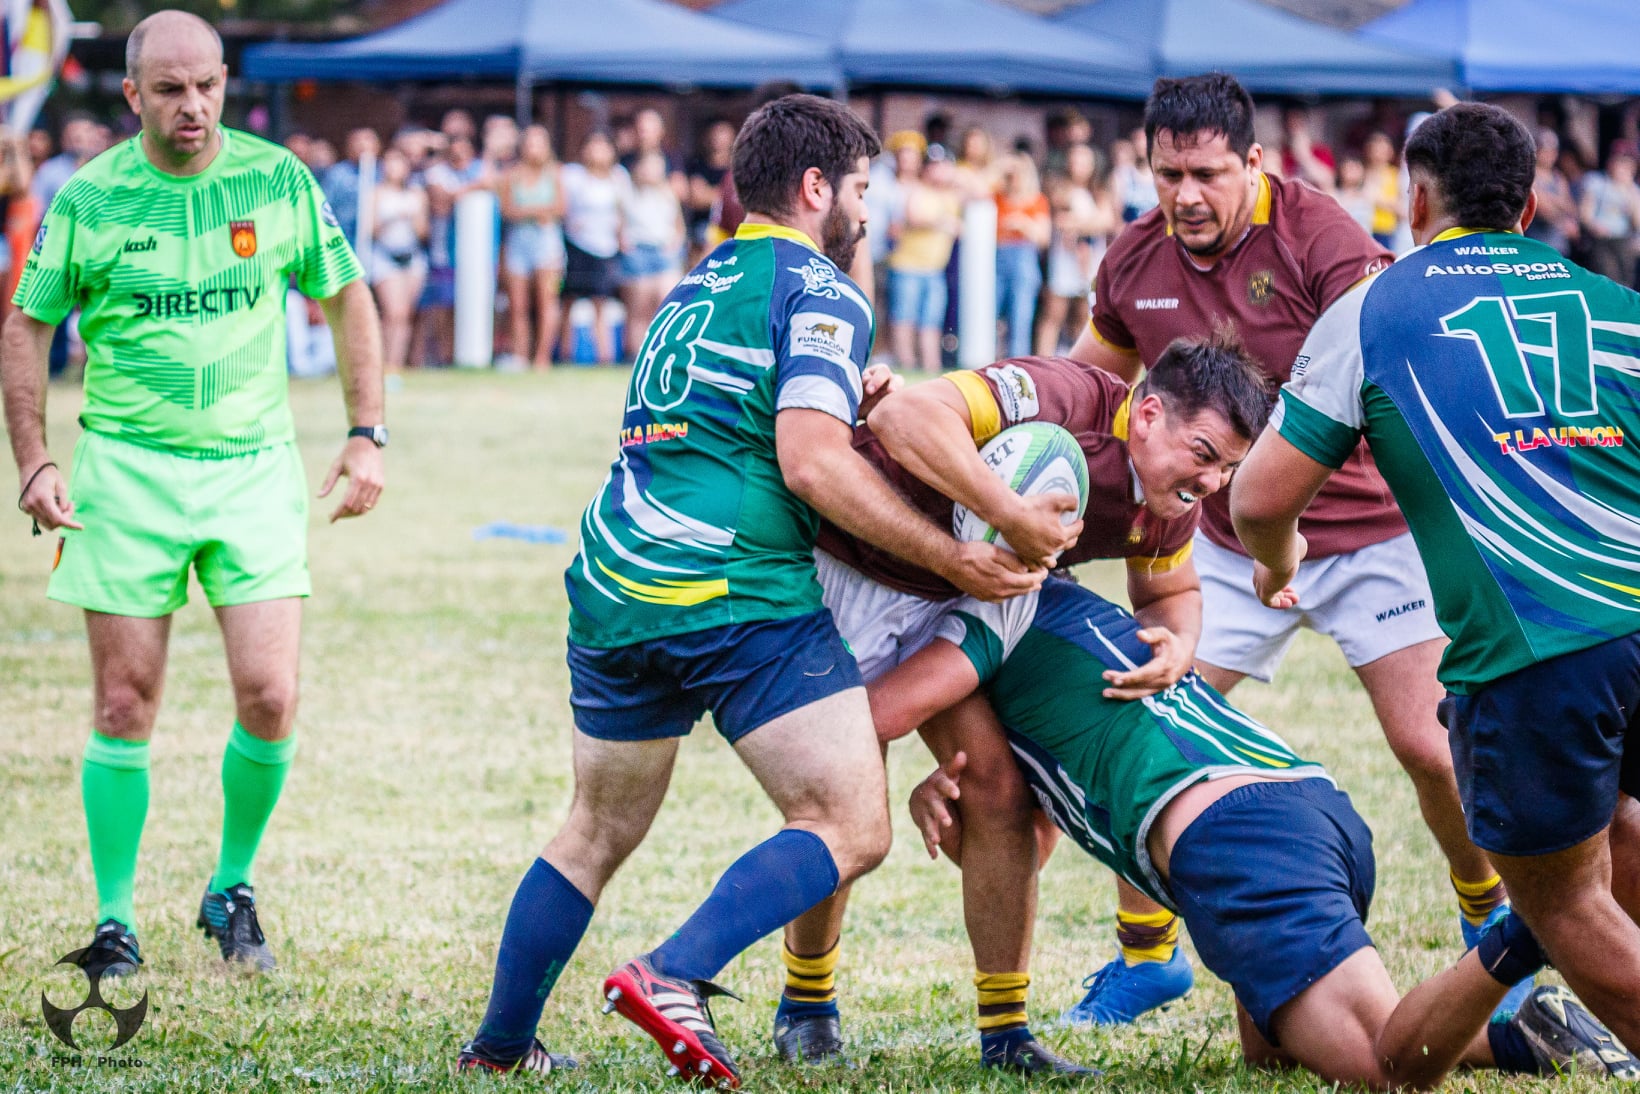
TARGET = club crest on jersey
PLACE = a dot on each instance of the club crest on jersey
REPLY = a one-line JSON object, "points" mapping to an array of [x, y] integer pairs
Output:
{"points": [[243, 236], [1260, 287], [328, 215], [819, 278], [40, 238]]}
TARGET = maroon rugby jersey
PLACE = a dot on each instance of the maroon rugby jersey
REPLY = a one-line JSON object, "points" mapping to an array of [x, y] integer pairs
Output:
{"points": [[1089, 402], [1302, 252]]}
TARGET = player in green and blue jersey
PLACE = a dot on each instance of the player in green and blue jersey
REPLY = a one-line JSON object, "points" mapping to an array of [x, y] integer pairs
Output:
{"points": [[1213, 816], [1497, 386], [177, 246], [695, 590]]}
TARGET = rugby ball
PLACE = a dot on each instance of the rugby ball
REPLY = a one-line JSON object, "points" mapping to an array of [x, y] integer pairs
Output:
{"points": [[1032, 458]]}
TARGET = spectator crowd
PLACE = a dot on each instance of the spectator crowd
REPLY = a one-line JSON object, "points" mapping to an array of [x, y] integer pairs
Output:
{"points": [[623, 218]]}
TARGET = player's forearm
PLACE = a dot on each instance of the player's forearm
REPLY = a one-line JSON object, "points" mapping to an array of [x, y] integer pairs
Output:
{"points": [[1270, 537], [1179, 612], [935, 444], [24, 345], [356, 331], [849, 492], [1273, 487]]}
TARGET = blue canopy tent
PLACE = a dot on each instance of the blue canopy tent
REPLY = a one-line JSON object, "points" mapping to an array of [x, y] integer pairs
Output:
{"points": [[1584, 47], [611, 41], [976, 44], [1268, 50]]}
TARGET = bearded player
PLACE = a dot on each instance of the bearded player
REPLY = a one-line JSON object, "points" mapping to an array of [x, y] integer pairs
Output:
{"points": [[694, 590]]}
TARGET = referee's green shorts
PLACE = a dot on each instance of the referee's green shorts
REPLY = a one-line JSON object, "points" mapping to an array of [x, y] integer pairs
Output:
{"points": [[239, 522]]}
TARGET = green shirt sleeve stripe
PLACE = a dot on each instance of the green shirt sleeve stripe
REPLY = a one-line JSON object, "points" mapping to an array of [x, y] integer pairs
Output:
{"points": [[1313, 433]]}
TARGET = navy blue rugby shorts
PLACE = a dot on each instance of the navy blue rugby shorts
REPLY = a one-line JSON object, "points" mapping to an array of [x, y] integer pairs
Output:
{"points": [[746, 674], [1540, 753], [1273, 881]]}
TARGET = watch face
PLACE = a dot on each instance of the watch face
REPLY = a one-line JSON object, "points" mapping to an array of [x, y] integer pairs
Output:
{"points": [[379, 435]]}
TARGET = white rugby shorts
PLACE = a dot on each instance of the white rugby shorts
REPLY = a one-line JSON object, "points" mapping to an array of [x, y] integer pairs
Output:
{"points": [[882, 626], [1372, 602]]}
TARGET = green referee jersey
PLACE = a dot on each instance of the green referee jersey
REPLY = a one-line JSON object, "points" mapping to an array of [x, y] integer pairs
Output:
{"points": [[180, 282], [1104, 769], [694, 527]]}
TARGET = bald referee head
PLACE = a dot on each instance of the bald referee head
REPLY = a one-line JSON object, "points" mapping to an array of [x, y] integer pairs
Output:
{"points": [[174, 81]]}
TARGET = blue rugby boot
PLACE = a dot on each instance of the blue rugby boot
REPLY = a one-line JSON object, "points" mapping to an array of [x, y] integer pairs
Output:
{"points": [[1120, 993], [1471, 938]]}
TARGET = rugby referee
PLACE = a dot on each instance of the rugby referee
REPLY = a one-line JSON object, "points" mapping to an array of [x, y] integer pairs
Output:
{"points": [[176, 246]]}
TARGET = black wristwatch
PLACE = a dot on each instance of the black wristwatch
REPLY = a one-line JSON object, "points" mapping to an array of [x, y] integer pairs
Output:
{"points": [[376, 433]]}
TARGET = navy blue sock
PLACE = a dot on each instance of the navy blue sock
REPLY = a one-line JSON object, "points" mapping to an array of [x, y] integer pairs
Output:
{"points": [[545, 924], [791, 1008], [1509, 951], [1509, 1049], [766, 888], [997, 1046]]}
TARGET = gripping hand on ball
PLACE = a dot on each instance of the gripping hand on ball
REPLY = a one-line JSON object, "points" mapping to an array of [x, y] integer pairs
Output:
{"points": [[1037, 528]]}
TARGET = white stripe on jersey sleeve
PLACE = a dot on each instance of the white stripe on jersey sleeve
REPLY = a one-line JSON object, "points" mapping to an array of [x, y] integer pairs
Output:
{"points": [[1327, 375], [820, 393]]}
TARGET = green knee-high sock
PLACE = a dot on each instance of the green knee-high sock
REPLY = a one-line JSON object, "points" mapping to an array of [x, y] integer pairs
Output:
{"points": [[253, 773], [114, 787]]}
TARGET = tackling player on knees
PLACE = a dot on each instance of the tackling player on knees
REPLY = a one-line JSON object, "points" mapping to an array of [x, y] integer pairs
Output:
{"points": [[1152, 452], [1214, 817]]}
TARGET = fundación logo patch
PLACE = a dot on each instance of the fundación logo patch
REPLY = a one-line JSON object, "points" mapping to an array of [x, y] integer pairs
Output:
{"points": [[817, 334]]}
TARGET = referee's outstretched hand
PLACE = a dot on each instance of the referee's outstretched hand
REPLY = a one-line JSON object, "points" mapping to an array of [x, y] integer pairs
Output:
{"points": [[361, 464], [45, 498]]}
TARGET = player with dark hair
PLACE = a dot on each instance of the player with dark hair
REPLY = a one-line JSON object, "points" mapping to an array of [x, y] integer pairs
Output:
{"points": [[1213, 816], [1496, 383], [177, 247], [1231, 242], [1152, 452], [694, 589]]}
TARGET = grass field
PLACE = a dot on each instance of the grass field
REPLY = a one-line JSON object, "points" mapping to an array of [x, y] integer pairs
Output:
{"points": [[434, 757]]}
